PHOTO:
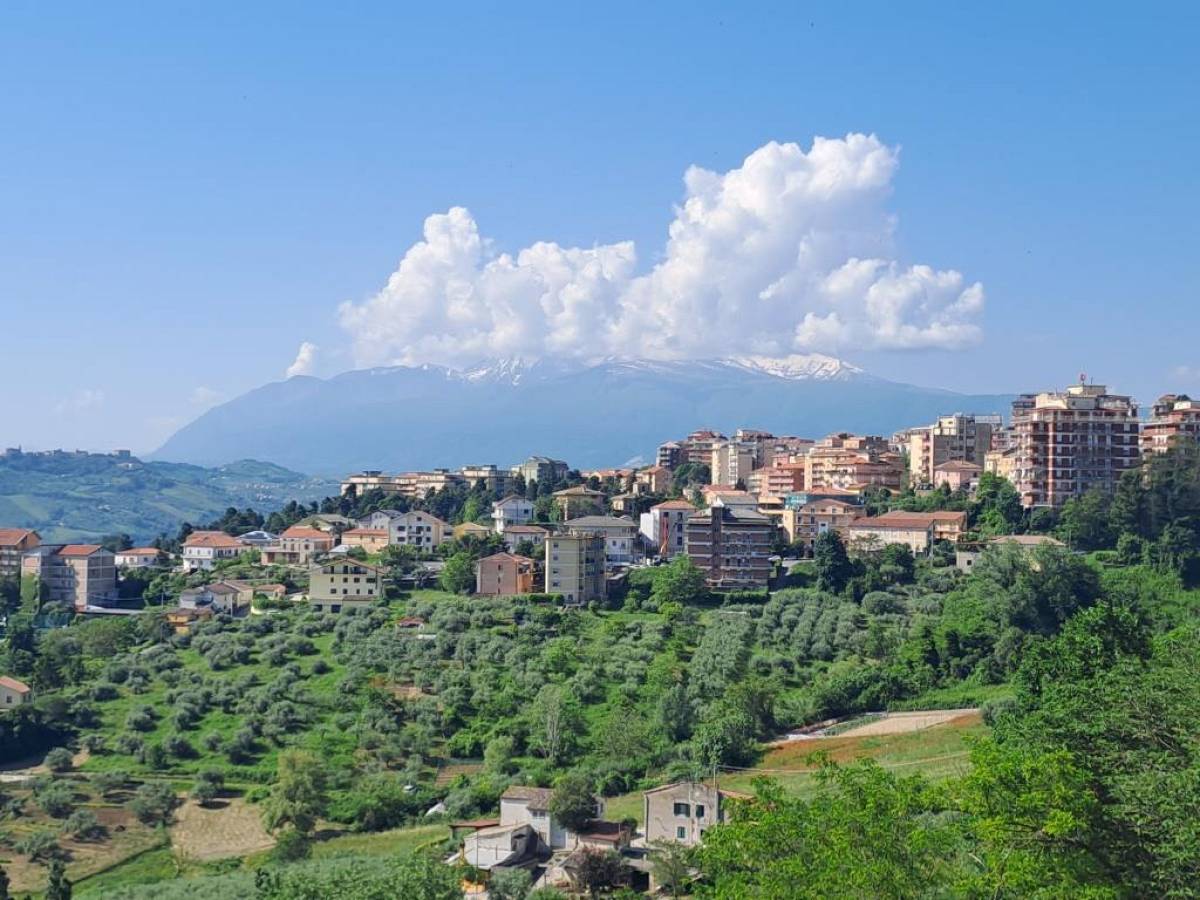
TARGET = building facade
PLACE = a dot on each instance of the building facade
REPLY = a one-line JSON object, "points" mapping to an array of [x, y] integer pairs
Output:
{"points": [[504, 575], [204, 549], [732, 546], [665, 527], [81, 575], [620, 537], [807, 523], [342, 584], [955, 438], [511, 510], [298, 546], [575, 567], [1174, 417], [15, 543]]}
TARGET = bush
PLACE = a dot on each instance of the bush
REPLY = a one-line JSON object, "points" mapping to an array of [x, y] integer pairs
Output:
{"points": [[56, 799], [153, 803], [84, 826], [140, 718], [60, 759], [291, 846], [39, 845]]}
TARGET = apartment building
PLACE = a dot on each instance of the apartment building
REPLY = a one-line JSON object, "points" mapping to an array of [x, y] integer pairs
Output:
{"points": [[621, 546], [669, 456], [732, 546], [847, 460], [415, 528], [1069, 442], [918, 530], [955, 438], [370, 539], [1173, 417], [541, 469], [805, 524], [575, 567], [957, 475], [298, 546], [512, 510], [731, 462], [577, 501], [495, 480], [344, 584], [664, 527], [652, 480], [15, 543], [204, 549], [504, 575], [82, 575], [778, 480], [516, 535], [414, 485]]}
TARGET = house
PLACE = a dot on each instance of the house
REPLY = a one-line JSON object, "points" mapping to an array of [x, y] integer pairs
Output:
{"points": [[918, 530], [723, 495], [298, 546], [957, 475], [15, 543], [577, 501], [620, 537], [575, 567], [504, 574], [624, 504], [804, 525], [471, 529], [521, 805], [683, 811], [415, 528], [370, 539], [13, 693], [182, 620], [204, 549], [966, 557], [81, 575], [956, 438], [541, 469], [344, 584], [664, 526], [516, 535], [511, 510], [138, 558], [228, 597], [652, 480], [732, 546]]}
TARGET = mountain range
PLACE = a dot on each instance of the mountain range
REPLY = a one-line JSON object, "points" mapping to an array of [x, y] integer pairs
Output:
{"points": [[605, 413]]}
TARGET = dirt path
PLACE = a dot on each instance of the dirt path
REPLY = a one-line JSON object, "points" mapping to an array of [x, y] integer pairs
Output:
{"points": [[228, 828], [902, 722]]}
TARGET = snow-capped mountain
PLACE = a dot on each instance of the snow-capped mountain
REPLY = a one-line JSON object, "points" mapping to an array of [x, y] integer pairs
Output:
{"points": [[591, 414]]}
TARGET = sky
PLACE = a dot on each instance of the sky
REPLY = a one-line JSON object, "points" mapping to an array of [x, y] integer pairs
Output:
{"points": [[197, 199]]}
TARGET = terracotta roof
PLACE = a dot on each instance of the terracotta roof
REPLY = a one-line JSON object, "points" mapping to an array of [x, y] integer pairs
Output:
{"points": [[514, 557], [957, 465], [899, 518], [79, 549], [578, 491], [210, 539], [13, 685], [410, 622], [303, 531], [139, 551], [10, 537], [673, 504], [526, 529]]}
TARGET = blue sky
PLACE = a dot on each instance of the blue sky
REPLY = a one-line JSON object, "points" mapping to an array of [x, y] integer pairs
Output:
{"points": [[189, 191]]}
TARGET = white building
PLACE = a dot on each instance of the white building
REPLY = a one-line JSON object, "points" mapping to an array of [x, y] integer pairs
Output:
{"points": [[414, 528], [620, 535], [665, 527], [512, 510], [204, 549]]}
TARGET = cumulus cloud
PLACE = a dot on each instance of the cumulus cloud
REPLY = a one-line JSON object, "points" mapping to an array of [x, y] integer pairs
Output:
{"points": [[306, 357], [792, 250]]}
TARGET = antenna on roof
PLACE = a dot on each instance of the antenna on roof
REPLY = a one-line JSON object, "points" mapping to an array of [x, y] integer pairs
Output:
{"points": [[1083, 377]]}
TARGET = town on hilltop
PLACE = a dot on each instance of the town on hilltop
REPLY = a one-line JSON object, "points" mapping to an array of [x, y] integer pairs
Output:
{"points": [[399, 595]]}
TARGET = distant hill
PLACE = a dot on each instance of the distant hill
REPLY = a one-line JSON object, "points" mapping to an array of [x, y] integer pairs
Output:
{"points": [[406, 417], [71, 496]]}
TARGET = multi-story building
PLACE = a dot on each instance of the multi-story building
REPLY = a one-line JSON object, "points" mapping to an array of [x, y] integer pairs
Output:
{"points": [[664, 527], [516, 535], [805, 524], [956, 438], [846, 460], [82, 575], [415, 528], [918, 530], [621, 546], [1001, 463], [652, 480], [1069, 442], [732, 546], [778, 480], [415, 485], [298, 546], [575, 567], [495, 480], [204, 549], [577, 501], [370, 539], [504, 575], [344, 584], [15, 543], [139, 558], [680, 813], [1172, 418], [957, 475], [732, 462], [541, 469], [512, 510], [669, 455]]}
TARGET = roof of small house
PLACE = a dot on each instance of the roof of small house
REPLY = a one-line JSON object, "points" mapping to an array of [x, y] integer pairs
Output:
{"points": [[580, 490], [210, 539], [304, 531], [536, 797], [673, 504], [79, 549], [507, 557], [139, 551], [13, 685], [957, 465], [526, 529], [365, 533], [600, 522], [10, 537]]}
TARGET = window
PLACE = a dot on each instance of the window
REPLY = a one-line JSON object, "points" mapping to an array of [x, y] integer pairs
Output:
{"points": [[699, 810], [681, 833], [682, 809]]}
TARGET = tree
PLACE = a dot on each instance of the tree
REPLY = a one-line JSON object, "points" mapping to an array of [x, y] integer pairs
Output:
{"points": [[4, 883], [1084, 521], [573, 804], [598, 871], [298, 796], [554, 722], [153, 803], [679, 581], [458, 575], [670, 863], [59, 759], [508, 884], [59, 888], [833, 566], [418, 876], [83, 825]]}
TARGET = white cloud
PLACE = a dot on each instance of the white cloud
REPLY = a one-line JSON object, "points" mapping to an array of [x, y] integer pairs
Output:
{"points": [[306, 357], [204, 396], [1186, 373], [790, 251], [81, 401]]}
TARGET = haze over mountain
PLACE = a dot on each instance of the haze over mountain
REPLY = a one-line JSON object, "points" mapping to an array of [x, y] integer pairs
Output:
{"points": [[604, 413]]}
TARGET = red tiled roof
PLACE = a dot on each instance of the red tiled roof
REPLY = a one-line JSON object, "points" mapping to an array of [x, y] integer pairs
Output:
{"points": [[13, 685], [362, 532], [10, 537], [526, 529], [139, 551], [673, 504], [79, 549], [303, 531], [210, 539]]}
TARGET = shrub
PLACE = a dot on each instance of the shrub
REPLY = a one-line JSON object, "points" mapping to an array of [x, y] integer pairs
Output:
{"points": [[107, 782], [140, 718], [39, 845], [153, 803], [60, 759], [84, 826], [56, 799], [291, 846], [105, 691], [94, 743]]}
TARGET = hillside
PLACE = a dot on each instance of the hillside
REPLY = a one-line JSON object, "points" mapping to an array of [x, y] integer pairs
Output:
{"points": [[69, 496], [598, 415]]}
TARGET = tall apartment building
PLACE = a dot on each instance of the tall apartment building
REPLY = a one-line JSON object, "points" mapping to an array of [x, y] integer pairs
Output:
{"points": [[956, 438], [541, 469], [1069, 442], [495, 479], [664, 525], [80, 574], [669, 455], [845, 460], [805, 524], [404, 484], [778, 480], [575, 567], [15, 543], [1172, 417], [731, 462], [731, 545]]}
